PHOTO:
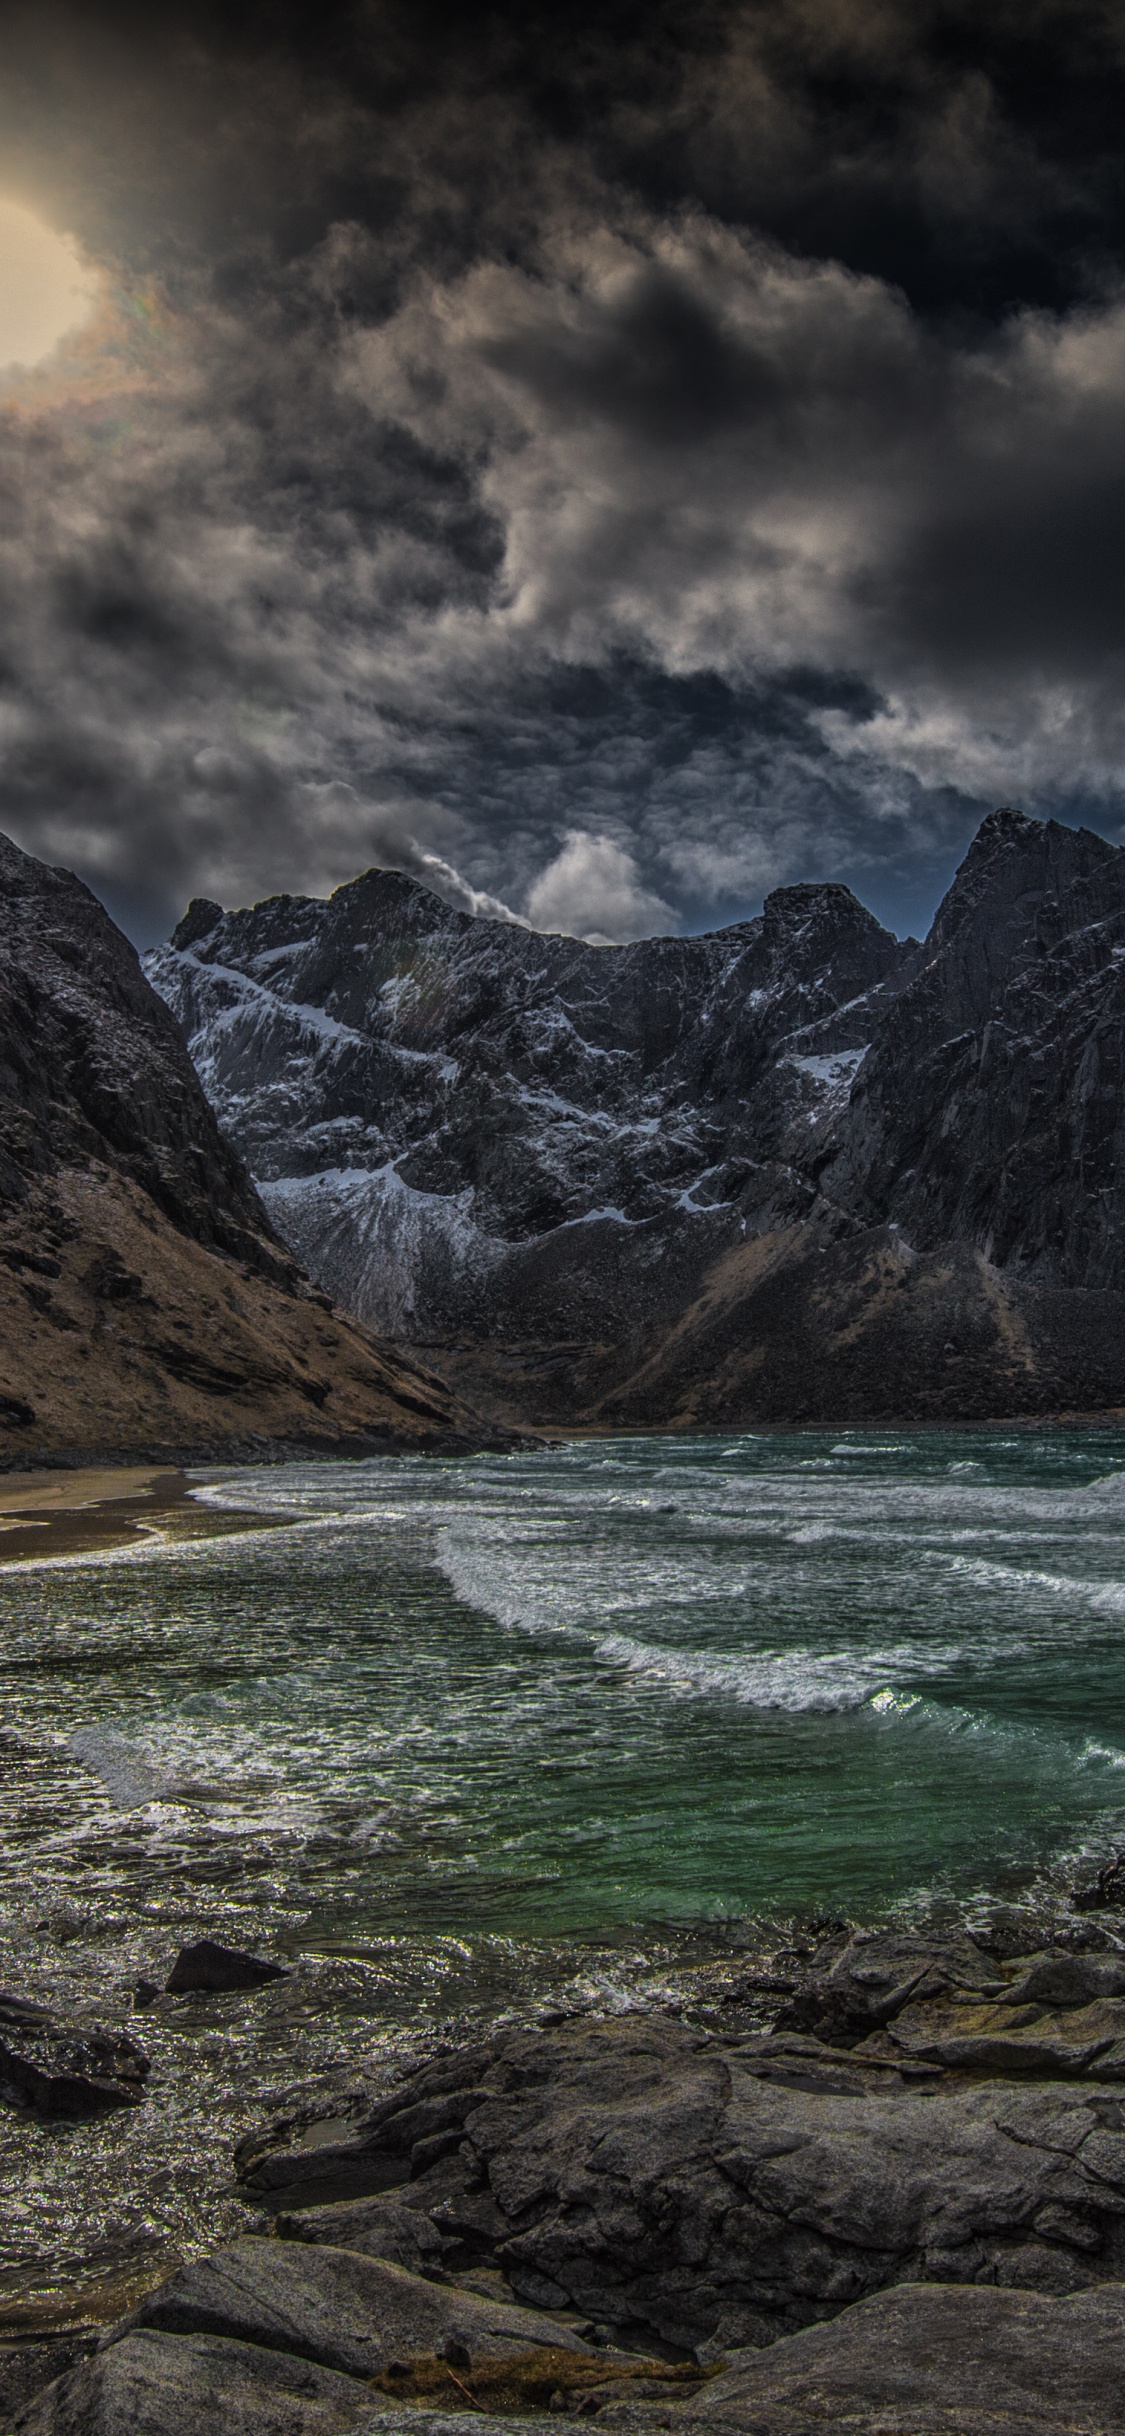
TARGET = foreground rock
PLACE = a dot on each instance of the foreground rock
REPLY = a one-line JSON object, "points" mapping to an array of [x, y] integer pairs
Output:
{"points": [[378, 2228], [931, 2360], [714, 2192], [188, 2385], [838, 2230], [347, 2312], [274, 2339], [921, 2360], [56, 2070], [162, 2385]]}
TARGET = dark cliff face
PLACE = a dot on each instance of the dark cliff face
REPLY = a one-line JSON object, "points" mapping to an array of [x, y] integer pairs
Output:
{"points": [[992, 1110], [93, 1066], [145, 1300], [790, 1170]]}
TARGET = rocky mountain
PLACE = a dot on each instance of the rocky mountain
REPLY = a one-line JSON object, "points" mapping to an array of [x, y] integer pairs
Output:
{"points": [[792, 1170], [145, 1301]]}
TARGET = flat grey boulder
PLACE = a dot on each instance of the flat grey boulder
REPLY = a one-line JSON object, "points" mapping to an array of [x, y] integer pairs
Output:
{"points": [[936, 2360], [380, 2228], [351, 2313], [1070, 2041], [152, 2384]]}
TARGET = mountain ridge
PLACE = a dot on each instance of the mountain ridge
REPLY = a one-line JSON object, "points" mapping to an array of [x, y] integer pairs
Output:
{"points": [[792, 1170]]}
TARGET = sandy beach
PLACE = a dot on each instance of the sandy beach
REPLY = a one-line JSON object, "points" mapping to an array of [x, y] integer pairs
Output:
{"points": [[69, 1513]]}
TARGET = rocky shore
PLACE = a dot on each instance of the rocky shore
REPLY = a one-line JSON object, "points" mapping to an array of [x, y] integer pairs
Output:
{"points": [[899, 2207]]}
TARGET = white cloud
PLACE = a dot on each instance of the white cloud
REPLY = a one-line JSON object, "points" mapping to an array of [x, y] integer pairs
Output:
{"points": [[592, 891]]}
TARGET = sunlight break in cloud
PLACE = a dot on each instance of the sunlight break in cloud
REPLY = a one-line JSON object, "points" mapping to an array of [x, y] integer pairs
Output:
{"points": [[46, 290]]}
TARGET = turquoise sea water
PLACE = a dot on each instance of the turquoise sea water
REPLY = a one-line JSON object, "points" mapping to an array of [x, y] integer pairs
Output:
{"points": [[636, 1682], [458, 1737]]}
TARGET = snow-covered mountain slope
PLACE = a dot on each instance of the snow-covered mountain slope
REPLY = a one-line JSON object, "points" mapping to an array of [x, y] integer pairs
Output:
{"points": [[423, 1097], [788, 1167]]}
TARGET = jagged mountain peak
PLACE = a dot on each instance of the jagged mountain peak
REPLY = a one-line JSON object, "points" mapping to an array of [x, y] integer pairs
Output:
{"points": [[789, 909], [419, 1090], [1023, 874], [202, 918]]}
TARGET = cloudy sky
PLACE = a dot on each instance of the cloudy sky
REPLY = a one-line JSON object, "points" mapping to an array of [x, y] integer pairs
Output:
{"points": [[610, 458]]}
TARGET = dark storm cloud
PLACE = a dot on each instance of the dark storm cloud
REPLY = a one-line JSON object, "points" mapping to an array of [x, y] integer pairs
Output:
{"points": [[608, 465]]}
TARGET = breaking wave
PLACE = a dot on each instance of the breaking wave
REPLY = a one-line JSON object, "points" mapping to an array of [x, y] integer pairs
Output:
{"points": [[796, 1679]]}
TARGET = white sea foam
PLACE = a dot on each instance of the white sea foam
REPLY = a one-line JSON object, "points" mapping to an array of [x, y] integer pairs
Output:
{"points": [[798, 1679], [472, 1571], [125, 1768], [812, 1534], [1106, 1598], [1110, 1756], [795, 1679]]}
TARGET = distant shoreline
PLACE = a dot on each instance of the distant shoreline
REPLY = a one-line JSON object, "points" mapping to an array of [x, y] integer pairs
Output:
{"points": [[62, 1509], [76, 1512]]}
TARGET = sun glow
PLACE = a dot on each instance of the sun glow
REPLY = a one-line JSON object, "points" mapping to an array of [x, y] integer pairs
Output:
{"points": [[46, 290]]}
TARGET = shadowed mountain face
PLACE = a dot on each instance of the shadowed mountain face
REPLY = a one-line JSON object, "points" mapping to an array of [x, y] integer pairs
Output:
{"points": [[145, 1301], [793, 1170]]}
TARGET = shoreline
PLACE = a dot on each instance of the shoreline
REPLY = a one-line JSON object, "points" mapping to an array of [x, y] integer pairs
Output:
{"points": [[94, 1507], [103, 2211], [63, 1506]]}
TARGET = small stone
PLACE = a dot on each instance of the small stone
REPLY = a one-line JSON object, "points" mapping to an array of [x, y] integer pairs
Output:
{"points": [[1108, 1890], [213, 1969]]}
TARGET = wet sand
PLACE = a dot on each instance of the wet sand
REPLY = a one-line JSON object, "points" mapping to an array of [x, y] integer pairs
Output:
{"points": [[73, 1513]]}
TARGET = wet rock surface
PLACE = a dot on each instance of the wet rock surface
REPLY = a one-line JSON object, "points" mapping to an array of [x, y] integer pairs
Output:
{"points": [[58, 2070], [872, 2230], [25, 2368], [792, 1170], [703, 2191]]}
